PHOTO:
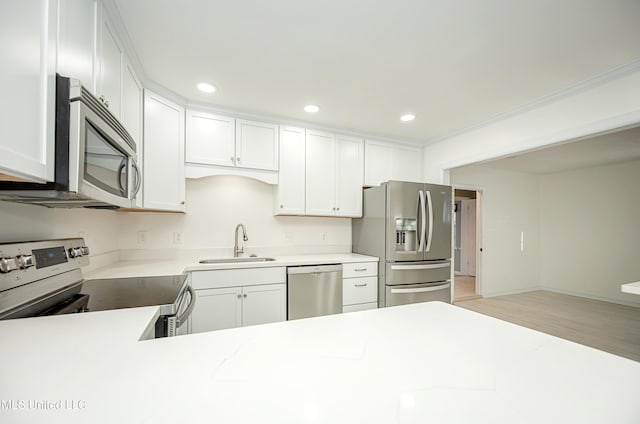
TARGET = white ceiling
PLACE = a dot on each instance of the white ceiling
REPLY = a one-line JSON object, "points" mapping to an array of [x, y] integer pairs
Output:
{"points": [[606, 149], [453, 63]]}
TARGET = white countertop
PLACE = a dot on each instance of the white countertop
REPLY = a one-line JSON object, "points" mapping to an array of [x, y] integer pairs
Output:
{"points": [[633, 288], [144, 268], [427, 362]]}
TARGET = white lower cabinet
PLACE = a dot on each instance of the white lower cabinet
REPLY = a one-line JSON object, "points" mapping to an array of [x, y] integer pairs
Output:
{"points": [[359, 286], [238, 297]]}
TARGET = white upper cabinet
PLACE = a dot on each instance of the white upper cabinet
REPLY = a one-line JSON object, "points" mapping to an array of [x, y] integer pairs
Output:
{"points": [[256, 145], [27, 83], [334, 173], [388, 161], [218, 144], [290, 191], [349, 176], [210, 139], [320, 173], [76, 41], [163, 181], [109, 77], [132, 97]]}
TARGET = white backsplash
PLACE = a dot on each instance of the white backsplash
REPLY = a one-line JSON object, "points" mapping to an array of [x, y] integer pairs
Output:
{"points": [[215, 205]]}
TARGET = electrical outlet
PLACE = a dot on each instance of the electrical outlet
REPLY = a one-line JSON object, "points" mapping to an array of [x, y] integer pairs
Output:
{"points": [[288, 235], [324, 236], [143, 237], [177, 238]]}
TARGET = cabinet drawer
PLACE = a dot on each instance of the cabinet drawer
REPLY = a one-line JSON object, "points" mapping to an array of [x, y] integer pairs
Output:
{"points": [[237, 277], [359, 307], [359, 269], [359, 290]]}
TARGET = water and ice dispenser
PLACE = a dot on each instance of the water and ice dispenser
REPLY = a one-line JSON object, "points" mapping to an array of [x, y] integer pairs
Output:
{"points": [[406, 234]]}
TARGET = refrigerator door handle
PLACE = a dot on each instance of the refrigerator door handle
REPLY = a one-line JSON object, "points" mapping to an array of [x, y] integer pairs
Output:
{"points": [[422, 289], [423, 221], [430, 204], [426, 266]]}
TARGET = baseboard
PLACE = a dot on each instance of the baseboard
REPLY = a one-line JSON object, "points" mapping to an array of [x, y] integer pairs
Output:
{"points": [[590, 296], [508, 292]]}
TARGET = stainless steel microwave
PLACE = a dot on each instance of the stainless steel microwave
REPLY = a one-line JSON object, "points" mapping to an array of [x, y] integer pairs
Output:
{"points": [[95, 157]]}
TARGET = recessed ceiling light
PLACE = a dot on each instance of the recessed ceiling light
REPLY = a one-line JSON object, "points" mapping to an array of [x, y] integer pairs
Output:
{"points": [[207, 88], [408, 117], [311, 108]]}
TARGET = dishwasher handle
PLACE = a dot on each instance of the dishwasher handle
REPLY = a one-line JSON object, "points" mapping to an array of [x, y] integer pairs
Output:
{"points": [[313, 269]]}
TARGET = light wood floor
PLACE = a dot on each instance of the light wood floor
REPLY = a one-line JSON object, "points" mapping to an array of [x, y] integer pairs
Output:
{"points": [[606, 326], [464, 288]]}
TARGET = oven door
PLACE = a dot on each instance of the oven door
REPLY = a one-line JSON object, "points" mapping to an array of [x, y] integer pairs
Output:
{"points": [[101, 165], [415, 293]]}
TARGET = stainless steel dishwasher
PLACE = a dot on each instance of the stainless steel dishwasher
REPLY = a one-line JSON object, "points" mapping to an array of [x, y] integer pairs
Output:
{"points": [[314, 290]]}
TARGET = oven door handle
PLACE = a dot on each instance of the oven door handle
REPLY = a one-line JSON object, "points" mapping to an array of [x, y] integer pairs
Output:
{"points": [[180, 319], [421, 289]]}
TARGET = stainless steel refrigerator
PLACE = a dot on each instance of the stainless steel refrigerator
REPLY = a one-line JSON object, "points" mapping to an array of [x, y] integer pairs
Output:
{"points": [[408, 226]]}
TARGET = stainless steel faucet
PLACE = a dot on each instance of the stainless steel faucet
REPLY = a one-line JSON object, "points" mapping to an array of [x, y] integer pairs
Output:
{"points": [[237, 250]]}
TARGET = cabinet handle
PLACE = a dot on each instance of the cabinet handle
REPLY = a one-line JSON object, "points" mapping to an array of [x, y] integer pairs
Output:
{"points": [[281, 206], [361, 285], [337, 209], [238, 159], [106, 103], [360, 269], [244, 295], [182, 203], [239, 295], [101, 98], [233, 160]]}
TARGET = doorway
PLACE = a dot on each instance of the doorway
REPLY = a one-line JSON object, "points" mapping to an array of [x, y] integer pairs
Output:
{"points": [[466, 244]]}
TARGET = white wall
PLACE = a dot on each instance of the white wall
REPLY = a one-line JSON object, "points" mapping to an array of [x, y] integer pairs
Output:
{"points": [[29, 222], [601, 104], [590, 238], [215, 205], [510, 205]]}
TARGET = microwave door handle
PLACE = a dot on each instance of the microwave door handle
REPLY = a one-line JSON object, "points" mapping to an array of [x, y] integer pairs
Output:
{"points": [[123, 164], [138, 179], [192, 303], [430, 205]]}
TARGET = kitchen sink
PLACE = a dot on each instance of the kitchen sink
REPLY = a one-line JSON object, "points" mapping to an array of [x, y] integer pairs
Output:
{"points": [[235, 260]]}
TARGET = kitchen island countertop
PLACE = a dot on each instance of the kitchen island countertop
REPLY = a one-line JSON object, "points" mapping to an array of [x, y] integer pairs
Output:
{"points": [[426, 362]]}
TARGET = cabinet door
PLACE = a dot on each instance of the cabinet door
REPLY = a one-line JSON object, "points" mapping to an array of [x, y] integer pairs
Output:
{"points": [[210, 139], [164, 181], [217, 309], [407, 164], [131, 102], [349, 176], [256, 145], [291, 179], [378, 165], [110, 59], [264, 304], [77, 38], [27, 84], [320, 173]]}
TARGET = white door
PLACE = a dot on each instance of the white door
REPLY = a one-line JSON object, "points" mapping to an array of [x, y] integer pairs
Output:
{"points": [[77, 37], [27, 84], [217, 309], [349, 176], [407, 164], [164, 180], [290, 191], [110, 75], [470, 232], [132, 103], [264, 304], [377, 163], [256, 145], [320, 173], [210, 139]]}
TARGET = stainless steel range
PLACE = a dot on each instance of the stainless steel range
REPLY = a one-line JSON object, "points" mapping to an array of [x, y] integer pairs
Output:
{"points": [[45, 278]]}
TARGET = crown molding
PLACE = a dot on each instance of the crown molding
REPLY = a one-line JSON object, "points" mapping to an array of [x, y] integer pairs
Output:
{"points": [[582, 86]]}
